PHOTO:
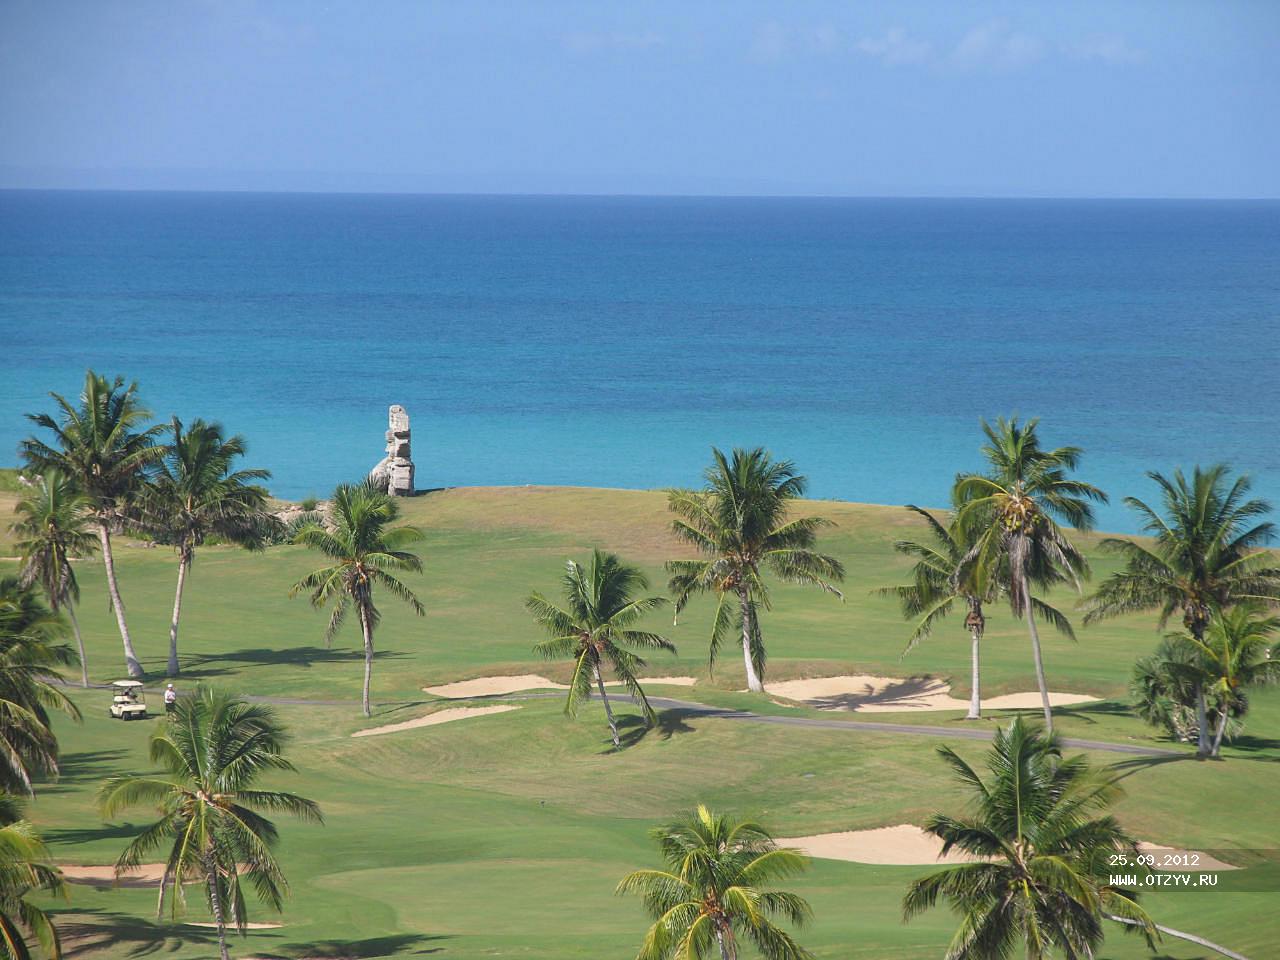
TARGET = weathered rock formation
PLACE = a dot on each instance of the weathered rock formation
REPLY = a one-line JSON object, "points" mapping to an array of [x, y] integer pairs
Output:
{"points": [[394, 472]]}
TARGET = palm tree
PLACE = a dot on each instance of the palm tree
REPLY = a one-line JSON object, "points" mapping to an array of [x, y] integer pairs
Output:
{"points": [[945, 574], [1206, 556], [1014, 513], [365, 552], [717, 889], [739, 523], [30, 655], [196, 495], [1038, 825], [596, 627], [54, 530], [25, 869], [1164, 686], [102, 446], [1235, 654], [213, 748]]}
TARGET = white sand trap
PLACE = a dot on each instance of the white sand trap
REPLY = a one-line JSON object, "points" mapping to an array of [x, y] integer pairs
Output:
{"points": [[146, 874], [500, 686], [431, 719], [1199, 860], [232, 926], [902, 845], [869, 694], [493, 686]]}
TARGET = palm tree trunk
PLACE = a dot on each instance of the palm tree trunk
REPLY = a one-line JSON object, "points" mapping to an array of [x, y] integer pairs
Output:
{"points": [[366, 627], [608, 710], [184, 564], [754, 683], [1216, 749], [75, 626], [215, 901], [1202, 722], [1029, 610], [728, 949], [131, 663], [975, 696], [1190, 937]]}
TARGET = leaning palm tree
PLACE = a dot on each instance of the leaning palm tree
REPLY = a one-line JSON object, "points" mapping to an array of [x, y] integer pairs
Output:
{"points": [[1014, 512], [53, 531], [1038, 828], [25, 869], [1206, 556], [365, 552], [597, 627], [739, 523], [716, 891], [31, 653], [213, 748], [1237, 652], [947, 574], [196, 495], [103, 446]]}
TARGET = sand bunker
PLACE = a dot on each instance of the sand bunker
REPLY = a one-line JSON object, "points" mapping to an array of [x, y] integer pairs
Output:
{"points": [[231, 926], [1196, 861], [870, 694], [431, 719], [899, 846], [500, 686], [148, 874]]}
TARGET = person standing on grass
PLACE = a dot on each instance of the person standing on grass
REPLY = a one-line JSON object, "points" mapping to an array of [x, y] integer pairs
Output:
{"points": [[170, 698]]}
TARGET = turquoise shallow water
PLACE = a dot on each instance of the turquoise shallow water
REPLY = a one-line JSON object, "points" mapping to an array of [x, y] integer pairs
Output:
{"points": [[612, 341]]}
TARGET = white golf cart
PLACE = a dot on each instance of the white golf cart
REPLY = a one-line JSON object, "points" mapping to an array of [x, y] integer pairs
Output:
{"points": [[127, 700]]}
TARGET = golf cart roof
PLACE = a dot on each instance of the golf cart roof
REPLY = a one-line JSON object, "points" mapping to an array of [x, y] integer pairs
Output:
{"points": [[126, 683]]}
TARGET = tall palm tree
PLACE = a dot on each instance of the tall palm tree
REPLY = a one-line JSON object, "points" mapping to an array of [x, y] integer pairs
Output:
{"points": [[716, 890], [25, 869], [1038, 825], [198, 494], [31, 652], [366, 553], [1237, 652], [104, 447], [213, 748], [597, 627], [946, 573], [1015, 511], [739, 523], [1206, 556], [53, 531]]}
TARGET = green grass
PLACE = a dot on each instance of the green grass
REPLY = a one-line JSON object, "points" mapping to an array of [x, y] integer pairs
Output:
{"points": [[505, 835]]}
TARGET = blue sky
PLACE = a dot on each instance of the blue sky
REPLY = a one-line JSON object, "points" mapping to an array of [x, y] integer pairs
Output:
{"points": [[1118, 98]]}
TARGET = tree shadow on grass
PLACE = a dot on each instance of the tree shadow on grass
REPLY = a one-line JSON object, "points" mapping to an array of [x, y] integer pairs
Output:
{"points": [[109, 831], [632, 729], [1248, 744], [1092, 712], [137, 937], [199, 667], [392, 945], [1127, 768]]}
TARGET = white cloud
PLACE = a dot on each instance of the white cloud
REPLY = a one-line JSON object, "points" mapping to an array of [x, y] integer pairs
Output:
{"points": [[774, 41], [586, 42], [996, 45], [896, 47], [1105, 47]]}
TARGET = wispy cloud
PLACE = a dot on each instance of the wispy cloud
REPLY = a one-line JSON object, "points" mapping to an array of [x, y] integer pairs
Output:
{"points": [[1105, 47], [773, 41], [589, 42], [996, 45], [896, 47]]}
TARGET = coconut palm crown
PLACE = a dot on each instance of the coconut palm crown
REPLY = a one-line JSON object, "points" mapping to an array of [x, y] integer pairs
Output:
{"points": [[598, 627], [25, 869], [739, 523]]}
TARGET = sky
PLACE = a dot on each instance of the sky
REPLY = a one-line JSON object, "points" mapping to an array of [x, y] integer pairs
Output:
{"points": [[1122, 98]]}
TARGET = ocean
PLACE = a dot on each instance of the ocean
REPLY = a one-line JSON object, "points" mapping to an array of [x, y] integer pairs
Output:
{"points": [[611, 341]]}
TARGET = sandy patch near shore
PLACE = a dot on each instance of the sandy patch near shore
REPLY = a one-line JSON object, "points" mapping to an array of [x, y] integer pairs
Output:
{"points": [[864, 693], [1201, 861], [902, 845], [500, 686], [431, 719]]}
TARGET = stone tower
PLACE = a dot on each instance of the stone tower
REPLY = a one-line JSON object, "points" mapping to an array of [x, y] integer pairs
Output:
{"points": [[394, 472]]}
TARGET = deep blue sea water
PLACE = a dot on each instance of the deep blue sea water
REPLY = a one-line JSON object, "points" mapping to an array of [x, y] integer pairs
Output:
{"points": [[612, 341]]}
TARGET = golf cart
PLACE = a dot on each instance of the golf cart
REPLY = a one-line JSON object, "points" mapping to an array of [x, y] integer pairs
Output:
{"points": [[127, 701]]}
